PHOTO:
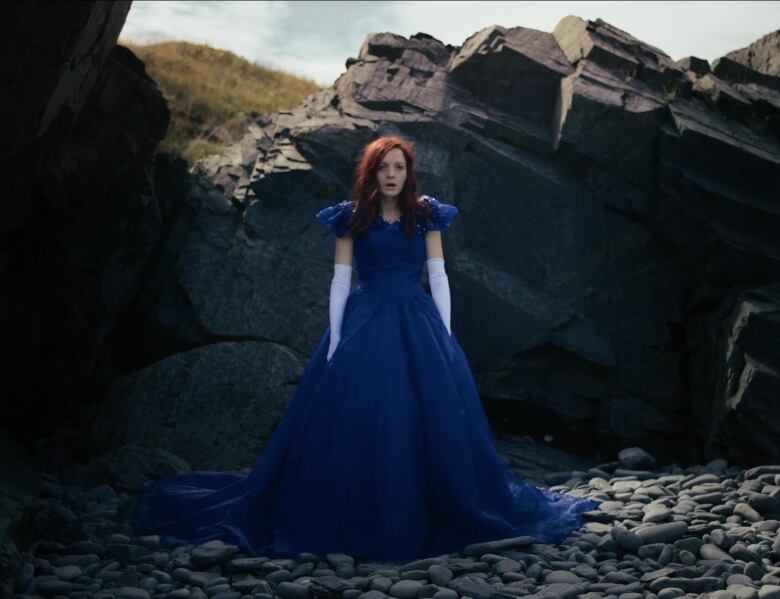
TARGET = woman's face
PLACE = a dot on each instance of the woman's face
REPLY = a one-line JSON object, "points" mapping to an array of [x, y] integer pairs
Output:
{"points": [[391, 173]]}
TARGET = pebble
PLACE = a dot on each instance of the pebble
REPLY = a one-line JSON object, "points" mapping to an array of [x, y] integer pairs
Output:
{"points": [[703, 531], [769, 591], [662, 533], [405, 589], [710, 551], [747, 512], [636, 457]]}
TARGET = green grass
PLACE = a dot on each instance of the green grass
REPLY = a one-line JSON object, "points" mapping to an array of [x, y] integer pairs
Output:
{"points": [[213, 94]]}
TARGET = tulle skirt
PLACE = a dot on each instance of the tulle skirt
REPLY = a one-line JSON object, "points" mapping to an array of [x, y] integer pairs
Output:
{"points": [[384, 453]]}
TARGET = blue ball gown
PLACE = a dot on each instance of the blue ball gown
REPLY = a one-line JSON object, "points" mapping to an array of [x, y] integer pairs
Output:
{"points": [[384, 451]]}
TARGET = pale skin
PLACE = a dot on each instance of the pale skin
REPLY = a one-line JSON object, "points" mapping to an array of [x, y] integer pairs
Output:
{"points": [[391, 175]]}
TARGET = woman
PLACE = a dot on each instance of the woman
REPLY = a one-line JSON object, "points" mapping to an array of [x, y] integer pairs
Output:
{"points": [[384, 451]]}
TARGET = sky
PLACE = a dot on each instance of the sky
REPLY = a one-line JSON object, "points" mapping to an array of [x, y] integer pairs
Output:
{"points": [[313, 39]]}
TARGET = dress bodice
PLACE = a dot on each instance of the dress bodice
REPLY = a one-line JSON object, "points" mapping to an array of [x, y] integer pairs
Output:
{"points": [[386, 261]]}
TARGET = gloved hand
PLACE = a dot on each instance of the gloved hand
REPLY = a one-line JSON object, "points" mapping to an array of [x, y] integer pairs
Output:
{"points": [[440, 289], [339, 290]]}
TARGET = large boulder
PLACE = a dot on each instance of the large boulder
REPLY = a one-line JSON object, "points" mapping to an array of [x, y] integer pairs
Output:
{"points": [[743, 411], [609, 197], [81, 120], [762, 56], [214, 406]]}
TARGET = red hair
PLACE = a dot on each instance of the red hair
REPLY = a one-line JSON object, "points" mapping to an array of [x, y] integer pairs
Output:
{"points": [[365, 191]]}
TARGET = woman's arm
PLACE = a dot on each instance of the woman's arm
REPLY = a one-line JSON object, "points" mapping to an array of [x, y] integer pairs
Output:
{"points": [[433, 248], [343, 253], [339, 289], [437, 276]]}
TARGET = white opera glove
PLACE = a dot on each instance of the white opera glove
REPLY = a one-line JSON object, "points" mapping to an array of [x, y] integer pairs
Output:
{"points": [[339, 290], [440, 289]]}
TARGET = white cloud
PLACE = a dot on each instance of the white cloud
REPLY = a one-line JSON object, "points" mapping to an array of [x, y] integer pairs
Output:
{"points": [[245, 28], [314, 38], [704, 29]]}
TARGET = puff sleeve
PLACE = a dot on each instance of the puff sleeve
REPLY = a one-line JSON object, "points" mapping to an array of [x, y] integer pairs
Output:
{"points": [[336, 217], [442, 214]]}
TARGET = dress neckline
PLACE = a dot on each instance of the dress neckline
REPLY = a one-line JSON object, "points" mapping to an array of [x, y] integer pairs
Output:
{"points": [[387, 222], [397, 222]]}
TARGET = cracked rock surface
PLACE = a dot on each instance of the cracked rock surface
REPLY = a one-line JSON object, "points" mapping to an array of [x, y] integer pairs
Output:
{"points": [[617, 224]]}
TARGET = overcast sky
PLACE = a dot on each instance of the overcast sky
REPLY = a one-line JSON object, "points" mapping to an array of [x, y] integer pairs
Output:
{"points": [[314, 38]]}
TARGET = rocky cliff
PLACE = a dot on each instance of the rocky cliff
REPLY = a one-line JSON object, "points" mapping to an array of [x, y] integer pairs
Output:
{"points": [[80, 120], [615, 266]]}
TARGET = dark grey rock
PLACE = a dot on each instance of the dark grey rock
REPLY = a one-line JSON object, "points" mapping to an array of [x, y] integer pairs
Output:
{"points": [[769, 591], [211, 553], [689, 585], [748, 513], [764, 504], [670, 593], [440, 574], [257, 195], [499, 545], [405, 589], [289, 590], [636, 458], [472, 586], [627, 539], [132, 593], [662, 533], [709, 551], [562, 576], [224, 392], [81, 128], [751, 369]]}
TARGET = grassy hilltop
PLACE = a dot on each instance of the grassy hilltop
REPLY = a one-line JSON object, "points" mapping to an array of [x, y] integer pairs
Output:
{"points": [[213, 94]]}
